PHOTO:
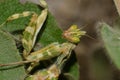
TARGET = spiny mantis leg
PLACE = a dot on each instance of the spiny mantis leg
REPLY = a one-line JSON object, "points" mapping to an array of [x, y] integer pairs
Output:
{"points": [[65, 55], [53, 72], [17, 16], [31, 32], [14, 17]]}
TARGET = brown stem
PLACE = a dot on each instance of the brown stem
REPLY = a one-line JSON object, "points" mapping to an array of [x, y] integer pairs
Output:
{"points": [[117, 4]]}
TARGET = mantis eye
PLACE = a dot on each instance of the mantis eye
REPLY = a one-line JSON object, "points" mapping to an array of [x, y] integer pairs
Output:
{"points": [[73, 34]]}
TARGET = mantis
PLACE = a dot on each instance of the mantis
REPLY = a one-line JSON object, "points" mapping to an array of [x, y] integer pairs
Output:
{"points": [[64, 50], [55, 49]]}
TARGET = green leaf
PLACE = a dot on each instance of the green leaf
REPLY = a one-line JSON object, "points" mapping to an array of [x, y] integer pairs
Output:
{"points": [[71, 68], [74, 71], [111, 38], [9, 54], [51, 32]]}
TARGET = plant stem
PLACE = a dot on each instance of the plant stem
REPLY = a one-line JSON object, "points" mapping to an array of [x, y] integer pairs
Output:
{"points": [[117, 4]]}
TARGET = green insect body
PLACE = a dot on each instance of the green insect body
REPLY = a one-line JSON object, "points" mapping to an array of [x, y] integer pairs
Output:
{"points": [[31, 32], [53, 72], [48, 52]]}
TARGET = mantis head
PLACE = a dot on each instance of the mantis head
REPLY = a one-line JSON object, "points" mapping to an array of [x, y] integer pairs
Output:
{"points": [[73, 34]]}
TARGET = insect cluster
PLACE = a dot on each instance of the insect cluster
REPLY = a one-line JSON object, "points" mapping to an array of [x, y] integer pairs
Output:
{"points": [[55, 49]]}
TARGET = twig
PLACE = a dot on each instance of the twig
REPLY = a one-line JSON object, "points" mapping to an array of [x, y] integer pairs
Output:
{"points": [[117, 3]]}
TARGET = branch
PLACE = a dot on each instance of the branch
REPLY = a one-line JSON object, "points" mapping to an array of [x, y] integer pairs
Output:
{"points": [[117, 4]]}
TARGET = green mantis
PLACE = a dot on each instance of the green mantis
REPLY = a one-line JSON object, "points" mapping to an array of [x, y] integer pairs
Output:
{"points": [[55, 49], [61, 51]]}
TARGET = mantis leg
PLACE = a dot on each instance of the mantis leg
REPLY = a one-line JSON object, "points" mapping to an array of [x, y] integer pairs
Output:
{"points": [[31, 32], [17, 16]]}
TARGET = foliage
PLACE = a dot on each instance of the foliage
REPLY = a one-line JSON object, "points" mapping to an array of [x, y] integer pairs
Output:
{"points": [[9, 54]]}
